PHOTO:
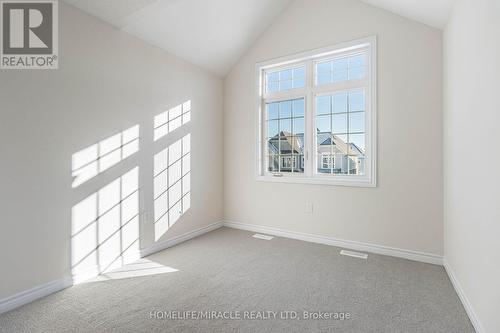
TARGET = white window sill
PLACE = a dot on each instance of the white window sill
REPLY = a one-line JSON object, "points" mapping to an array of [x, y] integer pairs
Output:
{"points": [[331, 181]]}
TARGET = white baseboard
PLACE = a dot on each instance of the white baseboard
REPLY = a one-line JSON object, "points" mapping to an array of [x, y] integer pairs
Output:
{"points": [[347, 244], [33, 294], [30, 295], [159, 246], [465, 301]]}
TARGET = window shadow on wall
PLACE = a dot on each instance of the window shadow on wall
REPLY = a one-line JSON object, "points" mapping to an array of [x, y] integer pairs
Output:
{"points": [[172, 184], [91, 161], [105, 228], [172, 119]]}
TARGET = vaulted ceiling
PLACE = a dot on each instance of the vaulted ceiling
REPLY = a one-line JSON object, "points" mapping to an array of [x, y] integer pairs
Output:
{"points": [[213, 34], [431, 12]]}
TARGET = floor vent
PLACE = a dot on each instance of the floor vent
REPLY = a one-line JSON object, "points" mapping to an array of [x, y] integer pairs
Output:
{"points": [[354, 254], [260, 236]]}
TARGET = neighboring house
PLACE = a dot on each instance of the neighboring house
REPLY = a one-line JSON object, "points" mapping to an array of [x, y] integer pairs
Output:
{"points": [[334, 154], [337, 156], [291, 156]]}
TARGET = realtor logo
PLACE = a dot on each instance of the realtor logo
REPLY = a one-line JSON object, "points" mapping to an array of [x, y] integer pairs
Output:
{"points": [[29, 34]]}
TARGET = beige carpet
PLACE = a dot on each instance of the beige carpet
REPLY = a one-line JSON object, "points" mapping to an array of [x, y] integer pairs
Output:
{"points": [[229, 272]]}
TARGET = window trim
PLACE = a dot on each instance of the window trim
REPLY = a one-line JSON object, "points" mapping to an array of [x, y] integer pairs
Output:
{"points": [[310, 58]]}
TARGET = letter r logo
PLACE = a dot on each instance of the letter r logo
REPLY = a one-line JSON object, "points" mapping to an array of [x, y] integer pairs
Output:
{"points": [[27, 27]]}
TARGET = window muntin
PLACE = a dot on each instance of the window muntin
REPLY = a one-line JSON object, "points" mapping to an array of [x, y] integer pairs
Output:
{"points": [[340, 131], [285, 79], [338, 139], [351, 67], [285, 124]]}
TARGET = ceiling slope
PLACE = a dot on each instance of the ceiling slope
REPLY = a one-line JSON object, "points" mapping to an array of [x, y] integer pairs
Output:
{"points": [[214, 34], [211, 34], [431, 12]]}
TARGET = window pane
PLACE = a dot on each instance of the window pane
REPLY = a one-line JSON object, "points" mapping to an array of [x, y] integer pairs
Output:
{"points": [[298, 107], [324, 67], [272, 111], [356, 73], [286, 126], [340, 75], [339, 123], [285, 85], [324, 78], [299, 77], [357, 61], [272, 86], [356, 122], [323, 105], [339, 102], [298, 163], [335, 153], [340, 65], [339, 70], [357, 154], [341, 167], [297, 143], [299, 72], [286, 75], [272, 128], [356, 165], [286, 79], [273, 77], [273, 163], [357, 101], [273, 145], [324, 124], [325, 155], [298, 126], [286, 163], [287, 145], [357, 143], [286, 131], [286, 109], [299, 82], [324, 139], [343, 140]]}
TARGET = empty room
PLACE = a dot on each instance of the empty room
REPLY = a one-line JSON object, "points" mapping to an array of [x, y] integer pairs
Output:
{"points": [[249, 166]]}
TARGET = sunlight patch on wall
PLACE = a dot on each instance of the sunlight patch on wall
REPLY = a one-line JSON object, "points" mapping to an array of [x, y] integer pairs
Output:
{"points": [[105, 227], [172, 172], [172, 119], [89, 162]]}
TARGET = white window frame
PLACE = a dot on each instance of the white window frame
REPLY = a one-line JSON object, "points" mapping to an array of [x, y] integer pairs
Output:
{"points": [[309, 93]]}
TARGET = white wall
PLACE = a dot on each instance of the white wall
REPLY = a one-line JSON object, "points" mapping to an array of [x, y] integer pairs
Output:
{"points": [[405, 210], [108, 81], [471, 122]]}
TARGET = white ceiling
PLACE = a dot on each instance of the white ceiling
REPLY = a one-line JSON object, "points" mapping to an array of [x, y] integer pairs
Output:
{"points": [[431, 12], [212, 34]]}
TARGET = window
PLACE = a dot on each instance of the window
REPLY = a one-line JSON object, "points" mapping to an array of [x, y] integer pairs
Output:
{"points": [[285, 79], [285, 135], [317, 116], [328, 161]]}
